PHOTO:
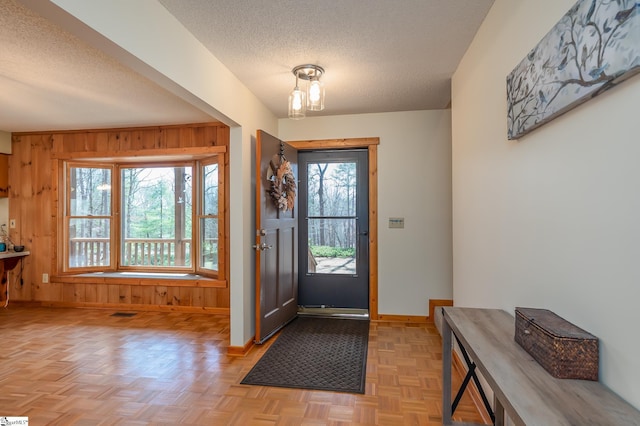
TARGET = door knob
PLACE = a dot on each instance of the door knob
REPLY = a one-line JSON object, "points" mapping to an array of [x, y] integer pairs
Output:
{"points": [[262, 247]]}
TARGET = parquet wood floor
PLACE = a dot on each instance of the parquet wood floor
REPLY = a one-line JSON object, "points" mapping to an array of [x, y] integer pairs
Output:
{"points": [[86, 367]]}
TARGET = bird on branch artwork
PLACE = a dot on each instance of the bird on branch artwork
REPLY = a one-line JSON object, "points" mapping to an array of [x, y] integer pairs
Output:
{"points": [[594, 47]]}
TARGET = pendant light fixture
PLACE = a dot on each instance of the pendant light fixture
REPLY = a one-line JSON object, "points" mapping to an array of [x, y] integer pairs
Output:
{"points": [[312, 98], [297, 103]]}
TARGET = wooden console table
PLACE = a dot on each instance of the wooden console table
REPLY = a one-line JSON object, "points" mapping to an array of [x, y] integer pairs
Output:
{"points": [[522, 388], [8, 261]]}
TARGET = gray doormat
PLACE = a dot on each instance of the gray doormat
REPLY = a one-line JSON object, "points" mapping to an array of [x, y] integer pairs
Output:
{"points": [[316, 353]]}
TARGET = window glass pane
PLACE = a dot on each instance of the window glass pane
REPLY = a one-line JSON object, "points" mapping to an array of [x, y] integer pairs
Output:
{"points": [[332, 246], [90, 191], [89, 242], [332, 189], [156, 216], [209, 244], [210, 190]]}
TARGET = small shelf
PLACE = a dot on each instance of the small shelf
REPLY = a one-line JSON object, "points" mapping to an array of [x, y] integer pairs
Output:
{"points": [[9, 254]]}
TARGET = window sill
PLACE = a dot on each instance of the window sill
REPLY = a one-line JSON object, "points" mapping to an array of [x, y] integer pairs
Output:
{"points": [[140, 278]]}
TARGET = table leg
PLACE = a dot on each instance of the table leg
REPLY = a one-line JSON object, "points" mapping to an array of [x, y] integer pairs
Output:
{"points": [[498, 410], [3, 284], [446, 373]]}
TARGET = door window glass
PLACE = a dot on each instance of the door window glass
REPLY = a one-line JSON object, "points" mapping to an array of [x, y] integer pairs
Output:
{"points": [[331, 212]]}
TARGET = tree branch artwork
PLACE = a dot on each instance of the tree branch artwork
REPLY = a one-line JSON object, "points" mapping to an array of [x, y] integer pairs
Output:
{"points": [[594, 47]]}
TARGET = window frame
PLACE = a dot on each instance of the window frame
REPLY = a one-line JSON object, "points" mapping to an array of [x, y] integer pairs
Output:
{"points": [[198, 211], [116, 237], [67, 217]]}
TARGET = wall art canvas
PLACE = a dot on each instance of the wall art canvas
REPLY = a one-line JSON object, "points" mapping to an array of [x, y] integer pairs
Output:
{"points": [[595, 46]]}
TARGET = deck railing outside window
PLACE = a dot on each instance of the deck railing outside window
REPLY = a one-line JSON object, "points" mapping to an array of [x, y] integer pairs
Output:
{"points": [[165, 252]]}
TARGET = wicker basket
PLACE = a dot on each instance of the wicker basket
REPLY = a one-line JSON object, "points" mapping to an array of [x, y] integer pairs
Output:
{"points": [[563, 349]]}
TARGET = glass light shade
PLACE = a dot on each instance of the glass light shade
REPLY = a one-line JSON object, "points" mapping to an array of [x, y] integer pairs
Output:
{"points": [[297, 104], [315, 95]]}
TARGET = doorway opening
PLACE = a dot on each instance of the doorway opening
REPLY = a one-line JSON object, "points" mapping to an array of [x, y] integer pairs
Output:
{"points": [[370, 145], [333, 243]]}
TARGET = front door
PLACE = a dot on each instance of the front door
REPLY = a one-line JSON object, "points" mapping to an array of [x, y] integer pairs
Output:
{"points": [[276, 235], [334, 229]]}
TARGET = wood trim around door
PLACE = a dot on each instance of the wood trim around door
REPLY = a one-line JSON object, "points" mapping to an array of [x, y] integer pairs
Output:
{"points": [[372, 146]]}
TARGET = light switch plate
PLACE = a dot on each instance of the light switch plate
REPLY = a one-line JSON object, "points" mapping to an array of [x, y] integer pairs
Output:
{"points": [[396, 222]]}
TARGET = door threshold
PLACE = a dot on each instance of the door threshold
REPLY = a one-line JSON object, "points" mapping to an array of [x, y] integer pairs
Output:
{"points": [[352, 313]]}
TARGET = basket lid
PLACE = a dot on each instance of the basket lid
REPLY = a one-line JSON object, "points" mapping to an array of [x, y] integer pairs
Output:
{"points": [[553, 324]]}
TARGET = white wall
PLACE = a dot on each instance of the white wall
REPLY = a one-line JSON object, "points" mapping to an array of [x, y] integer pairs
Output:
{"points": [[5, 148], [551, 220], [414, 182]]}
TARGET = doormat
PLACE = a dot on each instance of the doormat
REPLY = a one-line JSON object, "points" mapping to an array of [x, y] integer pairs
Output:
{"points": [[316, 353]]}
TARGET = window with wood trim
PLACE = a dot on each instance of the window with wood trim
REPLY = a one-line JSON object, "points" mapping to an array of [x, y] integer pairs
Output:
{"points": [[146, 217]]}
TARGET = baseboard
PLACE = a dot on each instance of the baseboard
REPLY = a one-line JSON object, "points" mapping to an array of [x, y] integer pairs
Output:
{"points": [[240, 350], [474, 394], [433, 303], [123, 307], [402, 318]]}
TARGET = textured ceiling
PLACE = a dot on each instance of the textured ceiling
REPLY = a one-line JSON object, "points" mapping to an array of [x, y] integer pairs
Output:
{"points": [[50, 80], [379, 55]]}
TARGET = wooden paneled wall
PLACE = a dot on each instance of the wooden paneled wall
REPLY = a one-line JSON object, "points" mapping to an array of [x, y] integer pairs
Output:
{"points": [[4, 176], [33, 203]]}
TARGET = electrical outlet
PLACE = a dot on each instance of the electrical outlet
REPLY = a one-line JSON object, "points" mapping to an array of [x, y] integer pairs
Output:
{"points": [[12, 223], [45, 278]]}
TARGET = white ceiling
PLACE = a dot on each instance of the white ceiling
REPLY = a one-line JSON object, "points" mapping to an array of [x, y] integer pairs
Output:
{"points": [[379, 56]]}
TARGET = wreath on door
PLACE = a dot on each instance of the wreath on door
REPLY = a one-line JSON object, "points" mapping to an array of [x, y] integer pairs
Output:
{"points": [[283, 184]]}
